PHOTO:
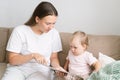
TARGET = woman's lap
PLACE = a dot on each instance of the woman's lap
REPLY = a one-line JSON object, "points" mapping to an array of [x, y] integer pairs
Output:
{"points": [[14, 73]]}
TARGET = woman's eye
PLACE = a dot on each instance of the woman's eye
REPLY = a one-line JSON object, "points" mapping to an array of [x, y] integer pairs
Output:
{"points": [[50, 23], [47, 23]]}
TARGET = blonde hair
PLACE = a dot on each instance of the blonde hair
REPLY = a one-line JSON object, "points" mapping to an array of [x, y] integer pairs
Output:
{"points": [[82, 36]]}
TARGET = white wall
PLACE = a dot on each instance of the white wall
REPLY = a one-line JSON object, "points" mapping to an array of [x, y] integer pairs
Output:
{"points": [[91, 16]]}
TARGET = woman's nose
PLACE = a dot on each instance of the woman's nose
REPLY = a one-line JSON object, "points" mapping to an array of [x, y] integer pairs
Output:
{"points": [[51, 26]]}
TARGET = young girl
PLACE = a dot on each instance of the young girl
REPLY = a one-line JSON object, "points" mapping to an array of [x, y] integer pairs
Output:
{"points": [[79, 61]]}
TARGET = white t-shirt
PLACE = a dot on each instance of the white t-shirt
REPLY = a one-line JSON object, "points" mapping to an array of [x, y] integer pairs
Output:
{"points": [[24, 41], [80, 65]]}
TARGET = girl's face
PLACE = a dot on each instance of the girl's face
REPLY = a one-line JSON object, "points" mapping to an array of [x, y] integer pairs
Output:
{"points": [[76, 47], [46, 24]]}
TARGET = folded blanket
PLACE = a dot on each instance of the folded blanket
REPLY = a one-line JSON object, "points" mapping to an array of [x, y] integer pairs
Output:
{"points": [[109, 72]]}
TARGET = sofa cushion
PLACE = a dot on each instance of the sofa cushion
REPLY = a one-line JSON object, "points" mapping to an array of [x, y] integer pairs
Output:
{"points": [[3, 43], [9, 33], [2, 69], [108, 44], [65, 38]]}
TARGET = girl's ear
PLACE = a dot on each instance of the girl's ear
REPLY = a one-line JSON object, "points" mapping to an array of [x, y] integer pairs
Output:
{"points": [[85, 46]]}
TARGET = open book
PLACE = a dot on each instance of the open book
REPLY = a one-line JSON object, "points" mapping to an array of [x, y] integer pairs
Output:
{"points": [[57, 69]]}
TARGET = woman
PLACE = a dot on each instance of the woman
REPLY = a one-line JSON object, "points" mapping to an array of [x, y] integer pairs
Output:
{"points": [[33, 45]]}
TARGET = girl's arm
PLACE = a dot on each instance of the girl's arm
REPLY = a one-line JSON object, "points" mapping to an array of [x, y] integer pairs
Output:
{"points": [[66, 65], [96, 66]]}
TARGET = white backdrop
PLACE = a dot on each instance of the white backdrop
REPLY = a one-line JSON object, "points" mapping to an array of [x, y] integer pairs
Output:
{"points": [[91, 16]]}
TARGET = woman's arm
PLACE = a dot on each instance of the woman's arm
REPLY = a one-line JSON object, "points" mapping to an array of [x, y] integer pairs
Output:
{"points": [[17, 59], [54, 60]]}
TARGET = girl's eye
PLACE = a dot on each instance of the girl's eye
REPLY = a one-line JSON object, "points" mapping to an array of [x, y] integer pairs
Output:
{"points": [[75, 47]]}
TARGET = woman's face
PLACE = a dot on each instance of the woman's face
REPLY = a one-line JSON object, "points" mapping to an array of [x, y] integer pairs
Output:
{"points": [[46, 24]]}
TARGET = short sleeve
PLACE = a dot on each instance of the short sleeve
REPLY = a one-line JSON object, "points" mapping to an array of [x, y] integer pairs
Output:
{"points": [[56, 42], [14, 43], [90, 58]]}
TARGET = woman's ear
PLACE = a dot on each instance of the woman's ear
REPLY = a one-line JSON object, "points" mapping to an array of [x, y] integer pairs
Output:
{"points": [[37, 19]]}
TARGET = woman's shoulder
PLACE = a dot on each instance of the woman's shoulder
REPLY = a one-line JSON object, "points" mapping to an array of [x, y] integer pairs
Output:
{"points": [[54, 30], [21, 28]]}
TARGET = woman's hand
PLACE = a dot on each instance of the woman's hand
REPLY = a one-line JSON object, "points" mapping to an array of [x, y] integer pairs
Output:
{"points": [[39, 58], [60, 71]]}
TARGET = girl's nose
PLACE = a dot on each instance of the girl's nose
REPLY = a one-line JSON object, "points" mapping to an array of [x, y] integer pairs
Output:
{"points": [[72, 49]]}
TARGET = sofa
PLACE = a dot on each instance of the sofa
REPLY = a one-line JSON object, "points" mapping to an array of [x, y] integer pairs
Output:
{"points": [[107, 44]]}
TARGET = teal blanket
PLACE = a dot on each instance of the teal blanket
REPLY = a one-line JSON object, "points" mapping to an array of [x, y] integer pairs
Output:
{"points": [[109, 72]]}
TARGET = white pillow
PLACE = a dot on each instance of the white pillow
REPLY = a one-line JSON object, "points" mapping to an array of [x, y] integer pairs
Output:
{"points": [[104, 59]]}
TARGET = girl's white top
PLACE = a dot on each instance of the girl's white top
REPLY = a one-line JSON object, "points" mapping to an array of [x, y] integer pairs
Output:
{"points": [[80, 65]]}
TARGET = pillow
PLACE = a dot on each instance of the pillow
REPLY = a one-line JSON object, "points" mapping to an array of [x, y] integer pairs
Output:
{"points": [[104, 59]]}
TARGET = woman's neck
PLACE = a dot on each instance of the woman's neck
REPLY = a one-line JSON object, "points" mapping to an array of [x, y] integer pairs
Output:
{"points": [[36, 30]]}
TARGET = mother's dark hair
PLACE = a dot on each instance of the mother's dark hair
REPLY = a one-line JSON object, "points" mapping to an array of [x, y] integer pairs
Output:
{"points": [[42, 10]]}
